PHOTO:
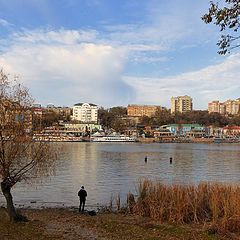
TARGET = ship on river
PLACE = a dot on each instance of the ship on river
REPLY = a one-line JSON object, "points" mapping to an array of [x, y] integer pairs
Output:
{"points": [[55, 138], [112, 138], [226, 140]]}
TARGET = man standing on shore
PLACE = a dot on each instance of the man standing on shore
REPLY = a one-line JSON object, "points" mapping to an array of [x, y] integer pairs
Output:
{"points": [[82, 197]]}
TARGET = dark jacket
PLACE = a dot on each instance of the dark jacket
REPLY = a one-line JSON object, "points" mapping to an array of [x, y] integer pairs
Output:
{"points": [[82, 194]]}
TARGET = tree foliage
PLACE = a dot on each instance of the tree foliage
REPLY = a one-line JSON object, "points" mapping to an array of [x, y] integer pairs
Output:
{"points": [[112, 118], [163, 116], [202, 117], [21, 158], [226, 16], [118, 121]]}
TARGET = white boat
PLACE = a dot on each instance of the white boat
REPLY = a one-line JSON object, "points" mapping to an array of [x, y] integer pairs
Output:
{"points": [[55, 138], [113, 138], [226, 140]]}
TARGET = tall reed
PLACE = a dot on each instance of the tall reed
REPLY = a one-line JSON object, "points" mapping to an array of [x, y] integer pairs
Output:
{"points": [[218, 204]]}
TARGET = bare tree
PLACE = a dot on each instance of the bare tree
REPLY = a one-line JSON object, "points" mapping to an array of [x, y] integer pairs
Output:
{"points": [[21, 158]]}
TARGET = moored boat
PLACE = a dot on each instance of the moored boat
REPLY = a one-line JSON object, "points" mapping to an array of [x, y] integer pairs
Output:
{"points": [[226, 140], [55, 138], [113, 138]]}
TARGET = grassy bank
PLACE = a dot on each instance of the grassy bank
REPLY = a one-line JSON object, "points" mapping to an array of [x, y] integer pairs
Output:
{"points": [[65, 224], [216, 205]]}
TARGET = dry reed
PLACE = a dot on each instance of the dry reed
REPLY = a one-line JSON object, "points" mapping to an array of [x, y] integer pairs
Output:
{"points": [[212, 203]]}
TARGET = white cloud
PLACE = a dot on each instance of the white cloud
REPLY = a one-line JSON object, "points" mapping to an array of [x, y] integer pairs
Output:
{"points": [[61, 36], [166, 26], [67, 73], [5, 23], [148, 59], [217, 81], [66, 66]]}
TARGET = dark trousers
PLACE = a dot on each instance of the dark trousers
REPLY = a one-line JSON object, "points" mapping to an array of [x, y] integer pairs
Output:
{"points": [[82, 205]]}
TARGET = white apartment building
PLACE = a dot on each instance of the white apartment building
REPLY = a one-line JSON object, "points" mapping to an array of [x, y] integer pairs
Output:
{"points": [[181, 104], [85, 112]]}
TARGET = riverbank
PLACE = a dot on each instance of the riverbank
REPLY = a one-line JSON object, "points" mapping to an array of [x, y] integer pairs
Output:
{"points": [[66, 224], [175, 140]]}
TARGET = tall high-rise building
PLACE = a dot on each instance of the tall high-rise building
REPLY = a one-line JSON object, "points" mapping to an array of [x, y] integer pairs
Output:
{"points": [[214, 106], [232, 107], [181, 104], [228, 107]]}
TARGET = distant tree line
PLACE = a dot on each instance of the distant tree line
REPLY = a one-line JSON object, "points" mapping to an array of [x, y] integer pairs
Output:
{"points": [[117, 119], [202, 117]]}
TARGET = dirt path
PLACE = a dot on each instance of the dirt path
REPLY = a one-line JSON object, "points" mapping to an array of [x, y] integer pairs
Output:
{"points": [[57, 224], [64, 224]]}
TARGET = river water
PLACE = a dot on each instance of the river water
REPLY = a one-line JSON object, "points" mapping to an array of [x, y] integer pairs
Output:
{"points": [[109, 169]]}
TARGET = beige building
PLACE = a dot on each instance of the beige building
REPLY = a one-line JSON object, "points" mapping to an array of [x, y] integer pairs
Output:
{"points": [[181, 104], [222, 108], [63, 112], [142, 110], [227, 107], [214, 106], [232, 106]]}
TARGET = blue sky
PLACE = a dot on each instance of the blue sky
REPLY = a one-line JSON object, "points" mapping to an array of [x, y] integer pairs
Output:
{"points": [[115, 52]]}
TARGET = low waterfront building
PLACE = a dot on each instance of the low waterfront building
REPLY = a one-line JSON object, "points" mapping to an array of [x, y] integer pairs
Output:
{"points": [[215, 131], [131, 131], [81, 128], [231, 131], [162, 133], [185, 130]]}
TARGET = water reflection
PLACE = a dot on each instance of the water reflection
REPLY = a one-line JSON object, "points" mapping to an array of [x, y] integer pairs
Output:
{"points": [[111, 168]]}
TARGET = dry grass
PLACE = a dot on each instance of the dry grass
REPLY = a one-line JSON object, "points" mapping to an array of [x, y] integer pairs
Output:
{"points": [[55, 224], [217, 205]]}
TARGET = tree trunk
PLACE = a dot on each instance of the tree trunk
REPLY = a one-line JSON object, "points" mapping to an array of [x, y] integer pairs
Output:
{"points": [[6, 190]]}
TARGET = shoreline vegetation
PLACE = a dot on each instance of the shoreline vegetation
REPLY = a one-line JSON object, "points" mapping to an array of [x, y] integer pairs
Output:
{"points": [[204, 211], [206, 203]]}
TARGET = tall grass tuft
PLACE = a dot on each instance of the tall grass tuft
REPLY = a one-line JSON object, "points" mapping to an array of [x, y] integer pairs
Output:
{"points": [[216, 204]]}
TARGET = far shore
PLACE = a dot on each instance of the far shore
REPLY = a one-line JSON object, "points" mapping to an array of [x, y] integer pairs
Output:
{"points": [[177, 140]]}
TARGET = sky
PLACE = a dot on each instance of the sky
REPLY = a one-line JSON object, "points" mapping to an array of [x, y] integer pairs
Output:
{"points": [[115, 53]]}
